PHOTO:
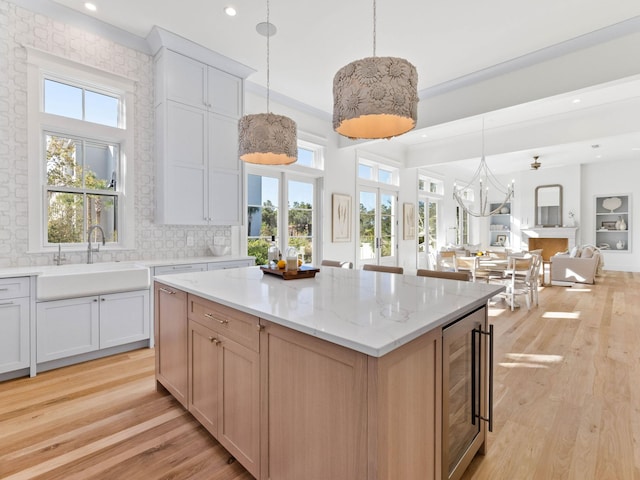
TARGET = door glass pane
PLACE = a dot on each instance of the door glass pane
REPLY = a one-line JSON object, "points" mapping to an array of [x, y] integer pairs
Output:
{"points": [[262, 215], [422, 227], [66, 217], [387, 225], [101, 210], [462, 431], [300, 206], [433, 226], [367, 225]]}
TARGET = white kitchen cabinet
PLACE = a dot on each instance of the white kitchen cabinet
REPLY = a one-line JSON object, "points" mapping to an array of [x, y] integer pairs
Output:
{"points": [[67, 327], [183, 268], [14, 324], [199, 175], [124, 318], [80, 325], [231, 264]]}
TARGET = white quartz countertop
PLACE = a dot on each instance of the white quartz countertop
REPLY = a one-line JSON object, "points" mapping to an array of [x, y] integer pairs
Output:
{"points": [[370, 312], [40, 269]]}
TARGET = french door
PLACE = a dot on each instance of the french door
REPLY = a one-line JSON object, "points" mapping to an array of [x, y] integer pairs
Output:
{"points": [[427, 230], [378, 227]]}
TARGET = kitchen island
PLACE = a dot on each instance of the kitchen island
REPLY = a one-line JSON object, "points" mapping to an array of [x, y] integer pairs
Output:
{"points": [[348, 375]]}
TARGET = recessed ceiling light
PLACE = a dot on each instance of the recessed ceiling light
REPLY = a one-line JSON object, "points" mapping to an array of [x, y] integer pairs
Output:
{"points": [[576, 100], [90, 6], [232, 12]]}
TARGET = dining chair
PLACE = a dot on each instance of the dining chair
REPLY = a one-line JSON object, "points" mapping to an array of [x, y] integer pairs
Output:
{"points": [[336, 263], [382, 268], [461, 276], [445, 262], [466, 264], [518, 275]]}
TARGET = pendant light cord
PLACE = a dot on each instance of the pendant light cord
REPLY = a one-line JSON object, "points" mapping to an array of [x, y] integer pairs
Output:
{"points": [[268, 36], [374, 28]]}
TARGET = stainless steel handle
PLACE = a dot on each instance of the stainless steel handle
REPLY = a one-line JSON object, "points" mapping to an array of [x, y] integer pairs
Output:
{"points": [[209, 315], [4, 289], [490, 413], [473, 376], [5, 304], [180, 267], [170, 292]]}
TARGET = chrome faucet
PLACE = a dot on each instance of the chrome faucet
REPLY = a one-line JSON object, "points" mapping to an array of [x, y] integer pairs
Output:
{"points": [[91, 249]]}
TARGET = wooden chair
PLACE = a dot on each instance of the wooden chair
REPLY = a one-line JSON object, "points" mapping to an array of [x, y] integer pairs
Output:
{"points": [[382, 268], [466, 264], [518, 275], [445, 261], [336, 263], [461, 276]]}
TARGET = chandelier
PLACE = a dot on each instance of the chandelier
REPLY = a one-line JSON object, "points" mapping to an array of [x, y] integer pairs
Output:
{"points": [[375, 97], [486, 185], [266, 138]]}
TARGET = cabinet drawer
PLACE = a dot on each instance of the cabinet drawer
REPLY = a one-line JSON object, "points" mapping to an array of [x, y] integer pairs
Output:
{"points": [[14, 287], [238, 326]]}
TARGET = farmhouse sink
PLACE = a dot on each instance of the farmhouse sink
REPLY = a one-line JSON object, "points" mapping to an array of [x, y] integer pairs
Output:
{"points": [[68, 281]]}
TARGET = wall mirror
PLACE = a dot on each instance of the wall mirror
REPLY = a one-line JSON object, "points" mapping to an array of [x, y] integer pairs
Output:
{"points": [[549, 206]]}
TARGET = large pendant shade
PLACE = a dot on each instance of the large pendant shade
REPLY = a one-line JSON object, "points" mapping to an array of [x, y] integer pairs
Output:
{"points": [[375, 97], [267, 139]]}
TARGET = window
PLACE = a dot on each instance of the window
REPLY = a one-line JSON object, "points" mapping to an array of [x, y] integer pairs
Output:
{"points": [[377, 173], [78, 149], [265, 195], [282, 203], [463, 226], [430, 185], [80, 188]]}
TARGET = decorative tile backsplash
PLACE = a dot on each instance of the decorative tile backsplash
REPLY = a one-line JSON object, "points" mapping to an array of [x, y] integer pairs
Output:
{"points": [[20, 27]]}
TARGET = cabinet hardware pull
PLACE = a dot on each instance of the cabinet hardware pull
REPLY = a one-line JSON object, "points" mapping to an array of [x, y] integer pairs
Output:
{"points": [[259, 327], [170, 292], [95, 299], [3, 289], [216, 341], [489, 418], [211, 339], [209, 315], [223, 322], [5, 304], [102, 299]]}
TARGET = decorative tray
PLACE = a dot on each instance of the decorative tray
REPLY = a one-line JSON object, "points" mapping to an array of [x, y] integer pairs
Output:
{"points": [[303, 272]]}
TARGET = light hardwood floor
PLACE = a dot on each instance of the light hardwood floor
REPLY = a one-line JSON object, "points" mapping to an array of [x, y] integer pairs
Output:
{"points": [[567, 393]]}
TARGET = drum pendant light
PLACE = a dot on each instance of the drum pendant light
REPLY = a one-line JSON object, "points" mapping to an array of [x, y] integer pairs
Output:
{"points": [[375, 97], [266, 138]]}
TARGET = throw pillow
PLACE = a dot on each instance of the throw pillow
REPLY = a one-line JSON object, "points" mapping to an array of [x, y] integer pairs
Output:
{"points": [[574, 252], [587, 252]]}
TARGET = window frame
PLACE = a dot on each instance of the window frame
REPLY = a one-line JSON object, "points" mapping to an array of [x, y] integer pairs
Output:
{"points": [[284, 174], [41, 66]]}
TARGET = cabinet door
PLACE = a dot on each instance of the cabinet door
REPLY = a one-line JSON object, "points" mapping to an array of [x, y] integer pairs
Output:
{"points": [[67, 327], [239, 403], [224, 93], [171, 335], [185, 79], [464, 390], [203, 375], [185, 181], [14, 334], [124, 318], [316, 395]]}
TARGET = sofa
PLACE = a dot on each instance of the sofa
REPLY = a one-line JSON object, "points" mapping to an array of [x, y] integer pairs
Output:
{"points": [[580, 265]]}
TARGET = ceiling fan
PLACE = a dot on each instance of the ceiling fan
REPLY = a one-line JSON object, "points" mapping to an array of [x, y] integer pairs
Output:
{"points": [[536, 164]]}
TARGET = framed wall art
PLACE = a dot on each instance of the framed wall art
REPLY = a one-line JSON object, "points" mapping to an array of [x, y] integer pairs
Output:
{"points": [[409, 221], [340, 218]]}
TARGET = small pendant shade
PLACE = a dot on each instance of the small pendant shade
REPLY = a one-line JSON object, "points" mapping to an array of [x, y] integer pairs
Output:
{"points": [[375, 97], [267, 139]]}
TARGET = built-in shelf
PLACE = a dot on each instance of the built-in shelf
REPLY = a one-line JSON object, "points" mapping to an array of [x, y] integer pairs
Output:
{"points": [[612, 227], [500, 226]]}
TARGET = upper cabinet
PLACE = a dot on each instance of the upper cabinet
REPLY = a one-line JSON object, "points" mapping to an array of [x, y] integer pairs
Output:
{"points": [[199, 174]]}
